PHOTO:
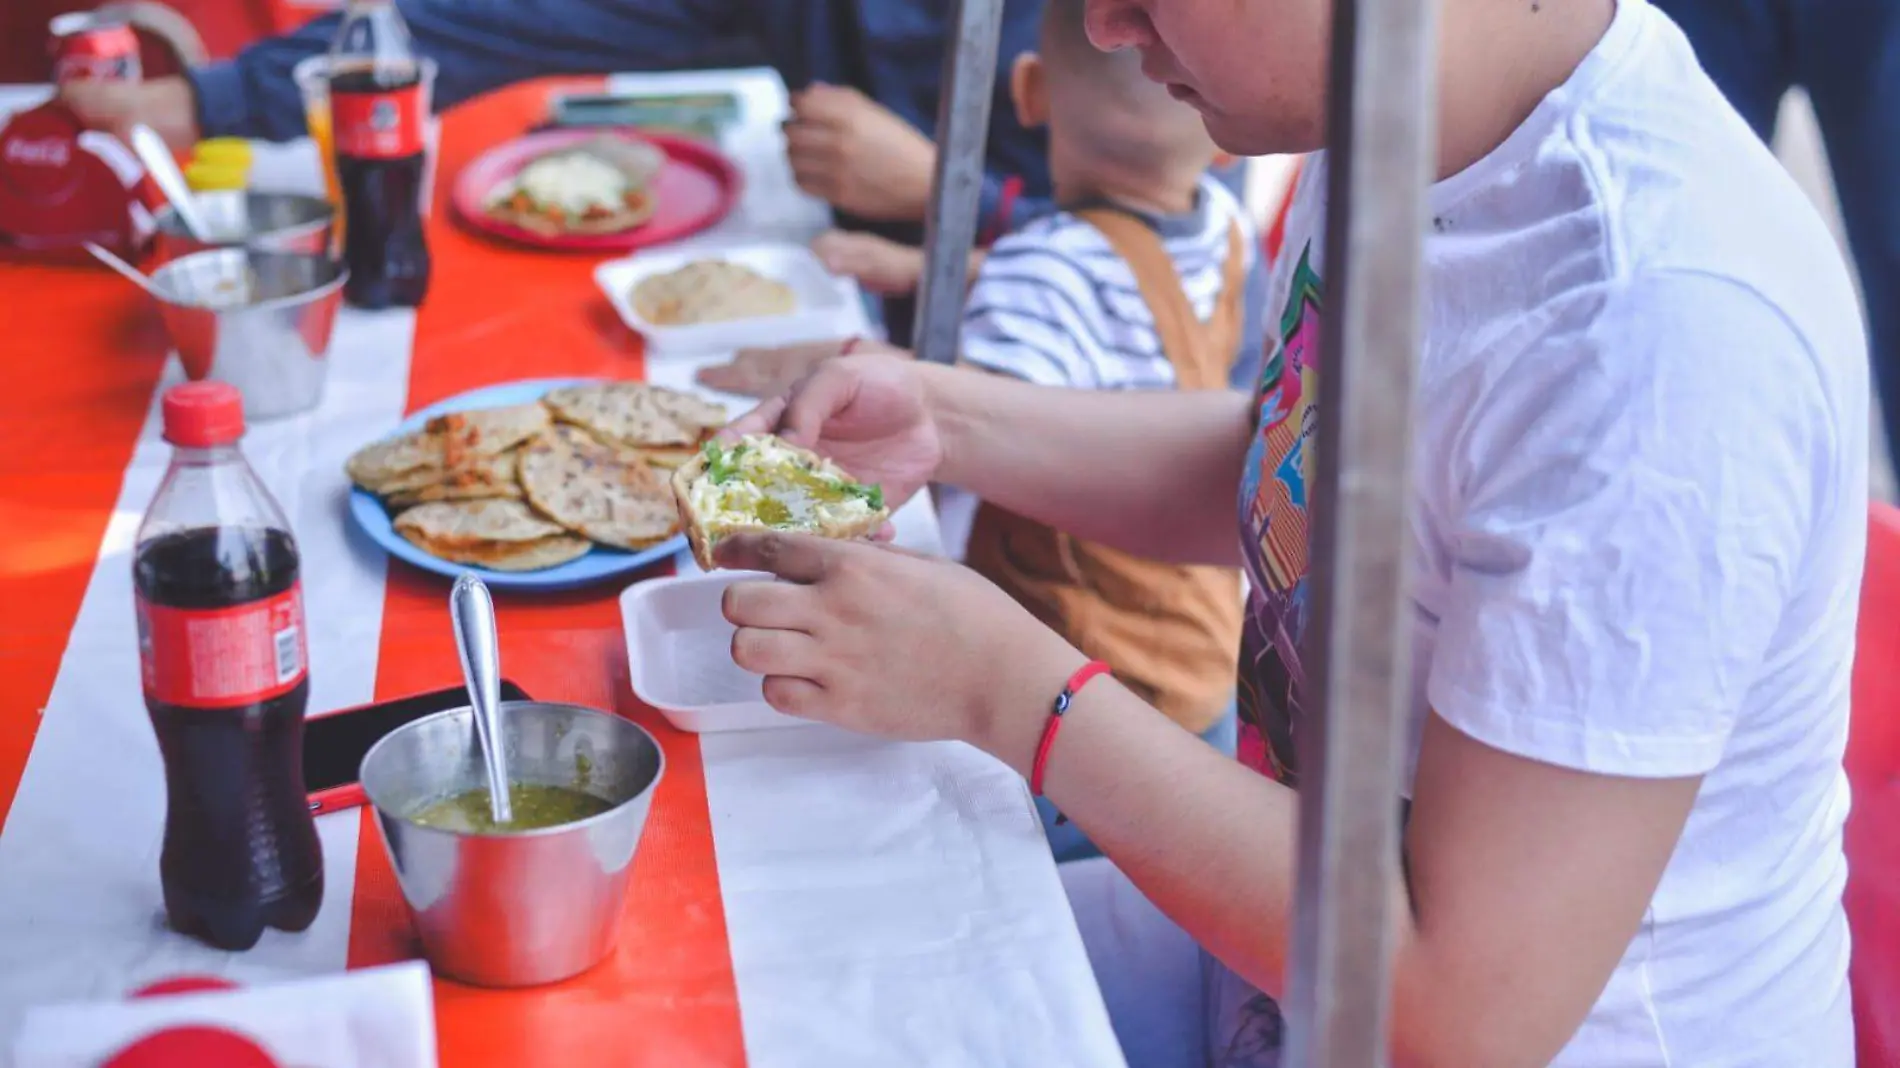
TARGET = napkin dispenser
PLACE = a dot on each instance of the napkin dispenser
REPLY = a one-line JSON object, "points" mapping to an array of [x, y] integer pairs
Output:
{"points": [[62, 185]]}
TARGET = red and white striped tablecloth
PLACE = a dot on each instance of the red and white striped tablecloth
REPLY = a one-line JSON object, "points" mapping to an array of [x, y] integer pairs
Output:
{"points": [[801, 897]]}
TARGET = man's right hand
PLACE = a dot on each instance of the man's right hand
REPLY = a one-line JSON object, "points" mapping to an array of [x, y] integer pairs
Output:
{"points": [[870, 412], [164, 104]]}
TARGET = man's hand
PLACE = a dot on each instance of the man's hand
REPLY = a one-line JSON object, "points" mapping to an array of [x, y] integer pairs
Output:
{"points": [[765, 373], [880, 265], [870, 413], [164, 104], [887, 642], [858, 156]]}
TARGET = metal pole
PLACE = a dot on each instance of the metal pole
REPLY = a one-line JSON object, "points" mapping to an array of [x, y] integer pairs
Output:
{"points": [[963, 123], [1382, 145]]}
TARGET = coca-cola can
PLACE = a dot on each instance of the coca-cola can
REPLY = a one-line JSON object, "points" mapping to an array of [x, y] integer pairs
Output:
{"points": [[88, 47]]}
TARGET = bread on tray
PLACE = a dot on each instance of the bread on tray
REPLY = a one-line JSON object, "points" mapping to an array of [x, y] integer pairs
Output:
{"points": [[762, 482]]}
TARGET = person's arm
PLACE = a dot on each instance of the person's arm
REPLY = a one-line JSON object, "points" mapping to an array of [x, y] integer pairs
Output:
{"points": [[1626, 546], [478, 45], [1151, 472]]}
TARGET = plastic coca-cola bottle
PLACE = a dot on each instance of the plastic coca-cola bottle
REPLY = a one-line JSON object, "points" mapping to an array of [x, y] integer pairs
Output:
{"points": [[223, 653], [379, 111]]}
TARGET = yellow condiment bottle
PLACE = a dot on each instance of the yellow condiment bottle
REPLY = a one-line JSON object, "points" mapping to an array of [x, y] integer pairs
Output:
{"points": [[219, 163], [204, 176], [235, 150]]}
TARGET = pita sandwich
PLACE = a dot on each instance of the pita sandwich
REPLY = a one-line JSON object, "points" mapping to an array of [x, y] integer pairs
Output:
{"points": [[761, 482]]}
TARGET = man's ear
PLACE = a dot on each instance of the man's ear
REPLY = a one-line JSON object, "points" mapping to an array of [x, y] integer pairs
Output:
{"points": [[1029, 91]]}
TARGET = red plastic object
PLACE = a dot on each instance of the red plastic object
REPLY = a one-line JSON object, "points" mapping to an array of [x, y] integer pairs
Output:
{"points": [[56, 192], [698, 187], [184, 984], [1873, 827], [192, 1047]]}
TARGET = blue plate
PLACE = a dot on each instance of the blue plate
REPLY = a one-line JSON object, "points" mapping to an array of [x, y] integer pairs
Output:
{"points": [[600, 563]]}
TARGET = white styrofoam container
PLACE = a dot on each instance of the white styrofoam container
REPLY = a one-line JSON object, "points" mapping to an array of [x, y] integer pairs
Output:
{"points": [[825, 301], [679, 655]]}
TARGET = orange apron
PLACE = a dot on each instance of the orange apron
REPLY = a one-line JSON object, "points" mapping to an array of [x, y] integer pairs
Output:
{"points": [[1170, 631]]}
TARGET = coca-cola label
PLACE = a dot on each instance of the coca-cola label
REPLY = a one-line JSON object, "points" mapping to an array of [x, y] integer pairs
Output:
{"points": [[223, 657], [384, 125], [38, 153]]}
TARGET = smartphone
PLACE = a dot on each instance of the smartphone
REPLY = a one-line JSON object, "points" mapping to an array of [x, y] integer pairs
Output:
{"points": [[699, 114], [334, 743]]}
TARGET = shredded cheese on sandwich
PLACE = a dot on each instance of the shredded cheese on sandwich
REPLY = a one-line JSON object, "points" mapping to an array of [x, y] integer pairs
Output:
{"points": [[760, 482]]}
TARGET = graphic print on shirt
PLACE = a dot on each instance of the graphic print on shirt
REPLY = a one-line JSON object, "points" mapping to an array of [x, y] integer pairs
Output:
{"points": [[1273, 512]]}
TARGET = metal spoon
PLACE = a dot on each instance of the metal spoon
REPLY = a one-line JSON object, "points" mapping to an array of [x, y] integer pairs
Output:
{"points": [[473, 611], [140, 278], [151, 150]]}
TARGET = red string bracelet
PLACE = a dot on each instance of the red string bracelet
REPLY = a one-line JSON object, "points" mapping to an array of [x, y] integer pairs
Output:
{"points": [[1074, 686]]}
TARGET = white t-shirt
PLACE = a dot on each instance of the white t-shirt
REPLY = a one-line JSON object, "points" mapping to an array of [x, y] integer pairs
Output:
{"points": [[1639, 520]]}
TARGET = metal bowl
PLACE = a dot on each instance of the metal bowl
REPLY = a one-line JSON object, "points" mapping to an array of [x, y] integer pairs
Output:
{"points": [[284, 222], [515, 908], [257, 319]]}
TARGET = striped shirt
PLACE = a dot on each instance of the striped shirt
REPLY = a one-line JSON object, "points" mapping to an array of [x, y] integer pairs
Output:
{"points": [[1056, 305]]}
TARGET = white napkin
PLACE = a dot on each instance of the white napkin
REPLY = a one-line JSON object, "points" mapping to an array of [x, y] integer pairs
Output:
{"points": [[374, 1018]]}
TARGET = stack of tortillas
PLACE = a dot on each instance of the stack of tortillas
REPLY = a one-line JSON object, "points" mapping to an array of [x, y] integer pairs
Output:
{"points": [[536, 485], [711, 291]]}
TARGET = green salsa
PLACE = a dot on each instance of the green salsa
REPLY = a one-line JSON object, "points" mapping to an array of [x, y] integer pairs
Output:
{"points": [[535, 807], [772, 512]]}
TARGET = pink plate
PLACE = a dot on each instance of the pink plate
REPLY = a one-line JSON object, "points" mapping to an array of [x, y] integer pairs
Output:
{"points": [[698, 187]]}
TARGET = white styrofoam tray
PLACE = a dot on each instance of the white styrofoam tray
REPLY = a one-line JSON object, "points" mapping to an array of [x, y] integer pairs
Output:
{"points": [[825, 301], [679, 655]]}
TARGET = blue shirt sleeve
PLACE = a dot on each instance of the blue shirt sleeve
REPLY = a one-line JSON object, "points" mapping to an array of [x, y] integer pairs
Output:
{"points": [[478, 45]]}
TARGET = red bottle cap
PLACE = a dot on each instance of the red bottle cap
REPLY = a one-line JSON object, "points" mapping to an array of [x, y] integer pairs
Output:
{"points": [[199, 415]]}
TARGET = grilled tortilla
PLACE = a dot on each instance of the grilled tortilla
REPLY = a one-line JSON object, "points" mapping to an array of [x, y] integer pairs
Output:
{"points": [[638, 415], [711, 291], [455, 440], [603, 492], [505, 535]]}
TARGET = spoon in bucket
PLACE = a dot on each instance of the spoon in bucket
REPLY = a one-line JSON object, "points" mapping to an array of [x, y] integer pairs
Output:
{"points": [[151, 151], [140, 278], [473, 611]]}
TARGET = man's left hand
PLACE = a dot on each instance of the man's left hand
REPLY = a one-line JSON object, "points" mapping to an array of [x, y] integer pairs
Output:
{"points": [[858, 156], [888, 642]]}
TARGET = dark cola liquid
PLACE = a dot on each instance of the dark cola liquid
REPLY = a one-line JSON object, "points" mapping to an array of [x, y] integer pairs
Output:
{"points": [[241, 851], [383, 243]]}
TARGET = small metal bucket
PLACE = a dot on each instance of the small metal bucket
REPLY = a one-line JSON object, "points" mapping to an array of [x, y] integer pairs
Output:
{"points": [[517, 908], [281, 222], [258, 319]]}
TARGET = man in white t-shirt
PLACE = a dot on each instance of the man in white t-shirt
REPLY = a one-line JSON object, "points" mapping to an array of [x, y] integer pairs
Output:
{"points": [[1638, 518]]}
